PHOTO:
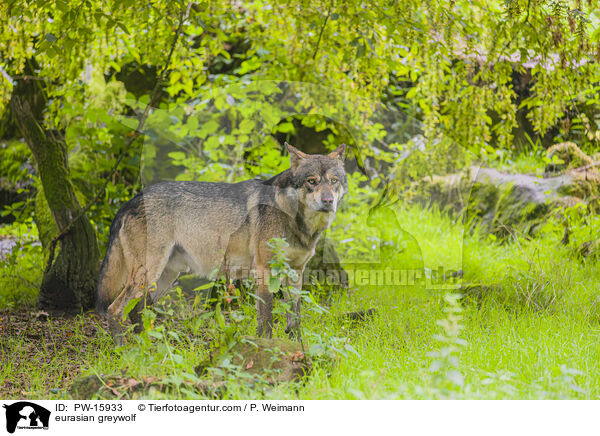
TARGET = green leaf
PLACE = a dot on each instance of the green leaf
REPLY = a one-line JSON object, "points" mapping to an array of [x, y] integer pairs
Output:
{"points": [[123, 27], [155, 334], [175, 336], [177, 155], [285, 127], [208, 285], [50, 37], [274, 284], [219, 317], [51, 52], [192, 123], [246, 126], [129, 307]]}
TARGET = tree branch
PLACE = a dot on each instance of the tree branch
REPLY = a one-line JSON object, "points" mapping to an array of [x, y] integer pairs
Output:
{"points": [[138, 132], [322, 29], [587, 167]]}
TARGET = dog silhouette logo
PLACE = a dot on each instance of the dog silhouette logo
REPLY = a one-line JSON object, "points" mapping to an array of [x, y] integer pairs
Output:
{"points": [[26, 415]]}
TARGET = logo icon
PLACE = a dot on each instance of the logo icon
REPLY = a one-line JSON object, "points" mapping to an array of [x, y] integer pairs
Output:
{"points": [[26, 415]]}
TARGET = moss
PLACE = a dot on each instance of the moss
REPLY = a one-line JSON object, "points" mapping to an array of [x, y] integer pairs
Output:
{"points": [[570, 155], [512, 210], [43, 217], [482, 200], [585, 185], [449, 192]]}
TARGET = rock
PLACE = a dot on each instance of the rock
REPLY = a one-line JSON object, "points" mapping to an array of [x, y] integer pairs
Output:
{"points": [[449, 192], [500, 200], [582, 185], [277, 360], [84, 388], [272, 360], [497, 201], [121, 387]]}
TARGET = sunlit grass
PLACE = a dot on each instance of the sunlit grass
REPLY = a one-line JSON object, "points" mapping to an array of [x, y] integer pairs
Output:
{"points": [[531, 331]]}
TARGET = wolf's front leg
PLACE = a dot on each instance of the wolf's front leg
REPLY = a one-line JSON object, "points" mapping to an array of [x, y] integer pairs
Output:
{"points": [[264, 306], [293, 316]]}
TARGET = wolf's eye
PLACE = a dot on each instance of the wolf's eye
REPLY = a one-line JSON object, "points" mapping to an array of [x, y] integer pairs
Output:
{"points": [[312, 181], [334, 181]]}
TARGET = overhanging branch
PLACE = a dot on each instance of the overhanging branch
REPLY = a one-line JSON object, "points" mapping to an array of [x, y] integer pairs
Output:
{"points": [[138, 132]]}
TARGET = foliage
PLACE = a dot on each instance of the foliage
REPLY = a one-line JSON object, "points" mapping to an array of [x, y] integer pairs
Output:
{"points": [[415, 88], [460, 59]]}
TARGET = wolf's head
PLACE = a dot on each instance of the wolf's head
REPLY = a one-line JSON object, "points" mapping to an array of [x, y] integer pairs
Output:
{"points": [[320, 180]]}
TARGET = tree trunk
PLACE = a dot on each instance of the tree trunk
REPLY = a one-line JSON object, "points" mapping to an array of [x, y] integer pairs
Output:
{"points": [[69, 285]]}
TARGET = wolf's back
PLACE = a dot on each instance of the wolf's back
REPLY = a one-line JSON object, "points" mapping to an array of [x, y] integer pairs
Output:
{"points": [[167, 212]]}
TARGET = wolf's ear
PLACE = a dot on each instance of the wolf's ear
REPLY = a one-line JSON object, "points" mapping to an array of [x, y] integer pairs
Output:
{"points": [[338, 153], [296, 156]]}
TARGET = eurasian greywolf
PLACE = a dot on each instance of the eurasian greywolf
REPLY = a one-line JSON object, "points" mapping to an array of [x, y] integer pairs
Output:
{"points": [[206, 228]]}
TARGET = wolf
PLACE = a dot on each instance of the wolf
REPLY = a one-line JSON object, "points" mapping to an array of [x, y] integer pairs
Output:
{"points": [[202, 228]]}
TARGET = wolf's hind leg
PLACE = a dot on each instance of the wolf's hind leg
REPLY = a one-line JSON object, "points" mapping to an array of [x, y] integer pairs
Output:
{"points": [[135, 287], [146, 282]]}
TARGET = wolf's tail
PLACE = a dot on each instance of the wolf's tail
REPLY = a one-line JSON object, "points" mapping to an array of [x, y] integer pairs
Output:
{"points": [[112, 271]]}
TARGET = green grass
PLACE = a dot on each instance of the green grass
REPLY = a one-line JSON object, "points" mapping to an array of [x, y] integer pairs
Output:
{"points": [[529, 331]]}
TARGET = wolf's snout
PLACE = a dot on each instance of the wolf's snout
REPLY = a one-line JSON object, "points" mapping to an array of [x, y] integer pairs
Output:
{"points": [[327, 201]]}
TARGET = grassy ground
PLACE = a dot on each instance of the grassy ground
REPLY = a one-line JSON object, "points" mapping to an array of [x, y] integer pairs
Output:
{"points": [[526, 326]]}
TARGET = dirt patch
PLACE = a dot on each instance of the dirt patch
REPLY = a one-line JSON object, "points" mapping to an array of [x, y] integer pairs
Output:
{"points": [[42, 352], [125, 388]]}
